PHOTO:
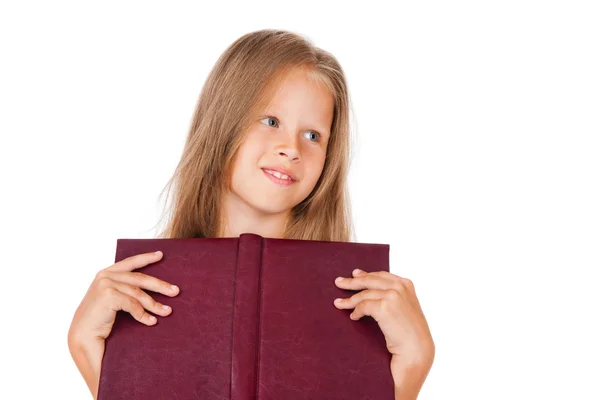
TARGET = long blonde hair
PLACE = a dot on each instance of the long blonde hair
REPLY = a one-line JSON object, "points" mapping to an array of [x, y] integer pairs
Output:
{"points": [[237, 88]]}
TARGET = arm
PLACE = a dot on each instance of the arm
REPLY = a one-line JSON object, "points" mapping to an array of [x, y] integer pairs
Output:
{"points": [[409, 378], [88, 359]]}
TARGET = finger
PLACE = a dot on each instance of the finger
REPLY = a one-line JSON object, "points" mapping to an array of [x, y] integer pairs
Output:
{"points": [[367, 307], [386, 275], [121, 301], [147, 301], [351, 302], [136, 261], [367, 281], [143, 281]]}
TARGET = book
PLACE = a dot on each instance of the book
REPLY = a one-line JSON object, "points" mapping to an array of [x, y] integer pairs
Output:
{"points": [[254, 319]]}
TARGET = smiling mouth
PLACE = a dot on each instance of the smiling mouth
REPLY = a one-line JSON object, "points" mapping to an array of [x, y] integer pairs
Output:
{"points": [[278, 181]]}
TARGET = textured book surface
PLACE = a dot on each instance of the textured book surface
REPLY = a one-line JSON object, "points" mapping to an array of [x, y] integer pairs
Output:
{"points": [[254, 319]]}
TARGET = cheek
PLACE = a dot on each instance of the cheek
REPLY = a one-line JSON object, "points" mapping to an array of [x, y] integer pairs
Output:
{"points": [[247, 156], [316, 162], [253, 148]]}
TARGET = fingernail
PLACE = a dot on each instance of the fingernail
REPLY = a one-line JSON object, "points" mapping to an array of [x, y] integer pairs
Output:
{"points": [[166, 307], [338, 279], [152, 319], [175, 288], [357, 271]]}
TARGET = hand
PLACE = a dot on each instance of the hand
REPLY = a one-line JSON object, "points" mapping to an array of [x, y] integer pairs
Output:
{"points": [[117, 288], [392, 302], [114, 288]]}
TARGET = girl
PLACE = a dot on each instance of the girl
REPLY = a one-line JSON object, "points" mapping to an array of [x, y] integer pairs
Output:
{"points": [[267, 153]]}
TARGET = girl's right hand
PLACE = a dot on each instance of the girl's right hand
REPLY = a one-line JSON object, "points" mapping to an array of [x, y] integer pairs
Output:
{"points": [[118, 288], [114, 288]]}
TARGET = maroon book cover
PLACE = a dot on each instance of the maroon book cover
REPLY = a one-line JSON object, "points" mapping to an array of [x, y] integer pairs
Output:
{"points": [[254, 319]]}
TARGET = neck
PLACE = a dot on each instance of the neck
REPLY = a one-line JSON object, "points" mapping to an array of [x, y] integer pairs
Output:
{"points": [[239, 217]]}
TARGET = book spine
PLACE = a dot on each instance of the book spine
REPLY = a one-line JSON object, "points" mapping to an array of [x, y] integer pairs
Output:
{"points": [[246, 318]]}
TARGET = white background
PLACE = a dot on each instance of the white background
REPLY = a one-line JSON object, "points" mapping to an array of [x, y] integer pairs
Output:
{"points": [[477, 159]]}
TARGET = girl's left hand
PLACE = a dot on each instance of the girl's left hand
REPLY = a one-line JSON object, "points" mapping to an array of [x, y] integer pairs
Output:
{"points": [[392, 301]]}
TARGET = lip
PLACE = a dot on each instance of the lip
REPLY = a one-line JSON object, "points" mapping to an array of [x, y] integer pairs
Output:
{"points": [[282, 170], [276, 180]]}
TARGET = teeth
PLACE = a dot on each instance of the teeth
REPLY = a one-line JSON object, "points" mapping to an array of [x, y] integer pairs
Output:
{"points": [[279, 175]]}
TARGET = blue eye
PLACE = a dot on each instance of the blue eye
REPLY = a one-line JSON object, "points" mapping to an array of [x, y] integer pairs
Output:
{"points": [[276, 124], [314, 133], [271, 118]]}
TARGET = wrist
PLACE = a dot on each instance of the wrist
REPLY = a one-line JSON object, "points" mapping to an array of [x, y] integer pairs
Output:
{"points": [[409, 377], [87, 356]]}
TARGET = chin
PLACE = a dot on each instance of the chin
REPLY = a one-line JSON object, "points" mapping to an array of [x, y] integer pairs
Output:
{"points": [[267, 199], [272, 208]]}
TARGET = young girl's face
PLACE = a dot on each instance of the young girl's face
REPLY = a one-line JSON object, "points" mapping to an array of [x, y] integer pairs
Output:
{"points": [[291, 135]]}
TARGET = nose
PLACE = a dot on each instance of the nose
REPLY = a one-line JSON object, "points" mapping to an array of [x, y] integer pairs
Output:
{"points": [[289, 148]]}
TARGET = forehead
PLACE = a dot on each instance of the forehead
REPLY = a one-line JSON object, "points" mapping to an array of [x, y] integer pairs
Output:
{"points": [[303, 99]]}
